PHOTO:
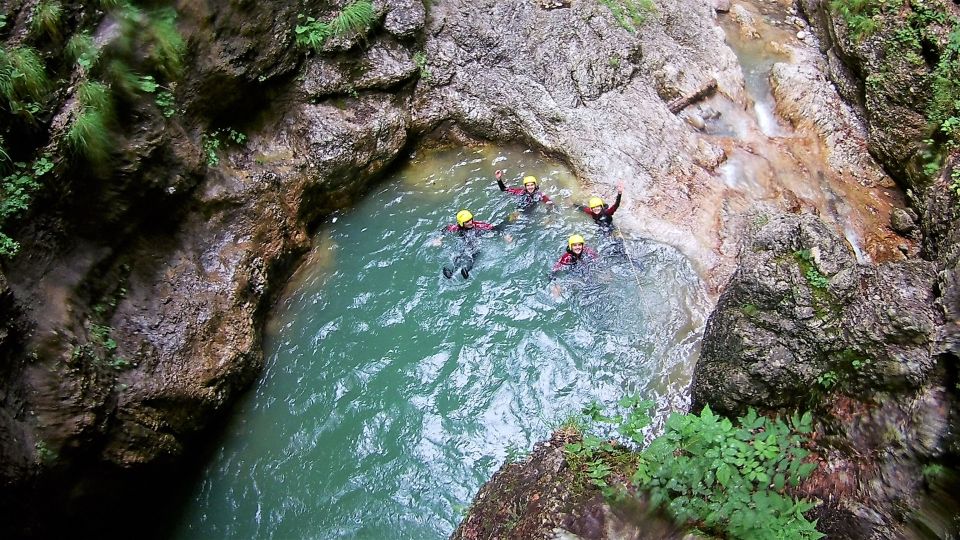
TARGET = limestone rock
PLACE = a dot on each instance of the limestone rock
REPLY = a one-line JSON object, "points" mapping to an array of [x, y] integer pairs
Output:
{"points": [[763, 349], [901, 222], [381, 66], [404, 18]]}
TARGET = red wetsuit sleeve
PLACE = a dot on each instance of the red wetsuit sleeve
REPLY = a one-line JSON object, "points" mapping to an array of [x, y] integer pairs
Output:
{"points": [[565, 260], [482, 225], [586, 210], [451, 228], [544, 198], [590, 252], [616, 204], [515, 190]]}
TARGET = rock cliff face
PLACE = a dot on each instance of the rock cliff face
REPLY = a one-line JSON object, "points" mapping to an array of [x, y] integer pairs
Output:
{"points": [[125, 332], [872, 349]]}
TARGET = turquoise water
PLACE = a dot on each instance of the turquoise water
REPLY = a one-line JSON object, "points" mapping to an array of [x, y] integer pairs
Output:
{"points": [[391, 394]]}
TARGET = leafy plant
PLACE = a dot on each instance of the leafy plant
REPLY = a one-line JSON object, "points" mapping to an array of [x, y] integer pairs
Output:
{"points": [[420, 60], [82, 49], [212, 142], [23, 80], [810, 271], [727, 479], [355, 18], [16, 193], [730, 479], [44, 453], [166, 102], [827, 379], [47, 17], [89, 135]]}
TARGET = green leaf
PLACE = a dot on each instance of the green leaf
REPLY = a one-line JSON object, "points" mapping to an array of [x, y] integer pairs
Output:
{"points": [[779, 480]]}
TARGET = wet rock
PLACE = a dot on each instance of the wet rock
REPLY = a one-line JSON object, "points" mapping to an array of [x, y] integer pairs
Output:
{"points": [[404, 18], [721, 6], [807, 98], [901, 222], [896, 100], [801, 35], [217, 280], [745, 21], [246, 45], [382, 66], [695, 120], [761, 348]]}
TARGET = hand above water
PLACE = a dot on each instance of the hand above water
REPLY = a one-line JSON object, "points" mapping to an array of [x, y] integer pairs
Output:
{"points": [[498, 173], [620, 187]]}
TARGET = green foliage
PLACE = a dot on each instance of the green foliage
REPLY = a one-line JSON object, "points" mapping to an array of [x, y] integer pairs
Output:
{"points": [[212, 142], [167, 47], [89, 135], [861, 16], [166, 102], [109, 5], [827, 379], [82, 50], [16, 192], [420, 60], [23, 80], [630, 14], [729, 479], [94, 95], [47, 17], [810, 271], [356, 18], [44, 453], [146, 83]]}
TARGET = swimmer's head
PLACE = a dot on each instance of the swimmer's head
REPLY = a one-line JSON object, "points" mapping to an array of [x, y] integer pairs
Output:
{"points": [[575, 243], [595, 204], [465, 219], [530, 183]]}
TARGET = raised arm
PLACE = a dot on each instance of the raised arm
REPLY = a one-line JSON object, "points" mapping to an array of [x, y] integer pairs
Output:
{"points": [[499, 174]]}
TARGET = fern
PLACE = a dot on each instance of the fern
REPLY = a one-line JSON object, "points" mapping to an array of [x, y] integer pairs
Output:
{"points": [[356, 18]]}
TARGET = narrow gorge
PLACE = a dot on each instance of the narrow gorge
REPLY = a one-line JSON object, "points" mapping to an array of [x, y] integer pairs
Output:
{"points": [[222, 304]]}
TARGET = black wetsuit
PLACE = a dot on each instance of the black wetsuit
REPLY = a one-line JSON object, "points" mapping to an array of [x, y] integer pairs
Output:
{"points": [[605, 218], [525, 200], [468, 246]]}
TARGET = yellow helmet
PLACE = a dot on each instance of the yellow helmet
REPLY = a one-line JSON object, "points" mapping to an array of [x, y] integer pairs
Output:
{"points": [[529, 180], [575, 239], [463, 216], [595, 202]]}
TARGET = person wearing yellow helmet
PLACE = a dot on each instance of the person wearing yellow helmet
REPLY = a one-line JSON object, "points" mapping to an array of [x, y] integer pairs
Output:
{"points": [[602, 213], [577, 252], [529, 195], [468, 230]]}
